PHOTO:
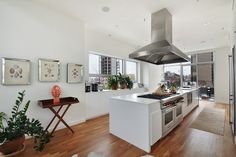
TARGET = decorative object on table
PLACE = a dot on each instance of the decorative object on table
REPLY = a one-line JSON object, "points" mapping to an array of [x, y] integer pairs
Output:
{"points": [[67, 101], [12, 134], [56, 92], [49, 70], [74, 73], [113, 82], [161, 91], [15, 71]]}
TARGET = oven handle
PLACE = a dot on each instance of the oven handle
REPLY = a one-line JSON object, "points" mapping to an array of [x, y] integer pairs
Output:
{"points": [[168, 109]]}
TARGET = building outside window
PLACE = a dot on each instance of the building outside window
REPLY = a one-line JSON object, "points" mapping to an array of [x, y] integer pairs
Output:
{"points": [[101, 66]]}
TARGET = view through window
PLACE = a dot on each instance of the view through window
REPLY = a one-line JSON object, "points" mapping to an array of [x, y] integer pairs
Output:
{"points": [[101, 66], [199, 72]]}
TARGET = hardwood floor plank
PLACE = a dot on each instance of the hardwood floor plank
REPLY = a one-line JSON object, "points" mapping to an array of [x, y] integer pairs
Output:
{"points": [[183, 141]]}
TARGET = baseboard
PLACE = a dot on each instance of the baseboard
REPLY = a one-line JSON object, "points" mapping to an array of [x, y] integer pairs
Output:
{"points": [[97, 116]]}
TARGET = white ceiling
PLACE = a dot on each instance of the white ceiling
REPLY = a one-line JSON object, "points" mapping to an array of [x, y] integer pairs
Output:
{"points": [[197, 24]]}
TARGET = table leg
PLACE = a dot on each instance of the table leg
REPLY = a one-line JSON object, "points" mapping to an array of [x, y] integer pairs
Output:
{"points": [[54, 117], [60, 118]]}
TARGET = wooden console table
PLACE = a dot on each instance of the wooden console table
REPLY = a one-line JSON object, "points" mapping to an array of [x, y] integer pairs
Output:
{"points": [[67, 101]]}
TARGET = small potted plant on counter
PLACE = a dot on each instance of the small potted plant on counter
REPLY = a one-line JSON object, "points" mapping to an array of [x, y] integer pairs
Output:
{"points": [[14, 129], [113, 82], [129, 82], [122, 81]]}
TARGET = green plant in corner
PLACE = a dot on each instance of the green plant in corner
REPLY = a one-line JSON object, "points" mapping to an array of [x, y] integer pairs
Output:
{"points": [[18, 125]]}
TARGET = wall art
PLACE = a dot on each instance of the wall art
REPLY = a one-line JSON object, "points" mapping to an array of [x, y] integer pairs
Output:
{"points": [[74, 73], [15, 71], [49, 70]]}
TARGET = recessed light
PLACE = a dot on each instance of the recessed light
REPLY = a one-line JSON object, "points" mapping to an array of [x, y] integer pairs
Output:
{"points": [[202, 42], [206, 24], [105, 9], [222, 28], [109, 35]]}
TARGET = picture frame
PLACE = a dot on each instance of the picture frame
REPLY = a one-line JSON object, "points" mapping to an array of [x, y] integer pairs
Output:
{"points": [[15, 71], [49, 70], [75, 73]]}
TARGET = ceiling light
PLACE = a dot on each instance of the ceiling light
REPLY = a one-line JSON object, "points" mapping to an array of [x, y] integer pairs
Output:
{"points": [[202, 42], [206, 24], [105, 9]]}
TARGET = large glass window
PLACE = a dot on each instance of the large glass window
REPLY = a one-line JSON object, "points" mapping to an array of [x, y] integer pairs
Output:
{"points": [[189, 75], [200, 71], [172, 74], [131, 70], [94, 64], [101, 66]]}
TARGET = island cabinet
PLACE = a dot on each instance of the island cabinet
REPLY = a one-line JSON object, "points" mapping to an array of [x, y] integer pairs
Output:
{"points": [[191, 100], [136, 120]]}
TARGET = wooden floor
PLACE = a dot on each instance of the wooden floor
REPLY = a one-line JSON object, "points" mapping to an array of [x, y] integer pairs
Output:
{"points": [[93, 135]]}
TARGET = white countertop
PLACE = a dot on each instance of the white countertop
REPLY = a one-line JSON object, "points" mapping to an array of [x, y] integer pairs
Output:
{"points": [[134, 97]]}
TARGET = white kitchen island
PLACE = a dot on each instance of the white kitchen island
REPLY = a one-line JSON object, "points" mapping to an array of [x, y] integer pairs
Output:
{"points": [[139, 120], [136, 120]]}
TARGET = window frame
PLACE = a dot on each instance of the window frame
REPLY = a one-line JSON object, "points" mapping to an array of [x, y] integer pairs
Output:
{"points": [[117, 58], [196, 63]]}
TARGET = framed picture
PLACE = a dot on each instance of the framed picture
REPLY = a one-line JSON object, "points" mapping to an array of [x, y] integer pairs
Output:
{"points": [[74, 73], [49, 70], [15, 71]]}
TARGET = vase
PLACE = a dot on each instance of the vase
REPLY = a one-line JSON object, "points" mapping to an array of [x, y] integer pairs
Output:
{"points": [[114, 87], [56, 92], [123, 86], [12, 146]]}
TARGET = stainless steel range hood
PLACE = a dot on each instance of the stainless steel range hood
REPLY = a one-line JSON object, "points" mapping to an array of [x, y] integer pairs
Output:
{"points": [[161, 50]]}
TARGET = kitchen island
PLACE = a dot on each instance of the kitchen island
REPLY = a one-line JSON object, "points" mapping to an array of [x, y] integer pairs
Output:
{"points": [[139, 121]]}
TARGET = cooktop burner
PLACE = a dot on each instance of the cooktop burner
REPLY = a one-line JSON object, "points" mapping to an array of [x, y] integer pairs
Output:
{"points": [[153, 96]]}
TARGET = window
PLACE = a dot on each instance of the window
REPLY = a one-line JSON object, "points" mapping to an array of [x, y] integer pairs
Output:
{"points": [[199, 72], [101, 66], [94, 62], [131, 70], [172, 74], [189, 75]]}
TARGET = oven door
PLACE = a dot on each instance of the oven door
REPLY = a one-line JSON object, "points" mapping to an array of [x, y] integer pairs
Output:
{"points": [[168, 119], [179, 112]]}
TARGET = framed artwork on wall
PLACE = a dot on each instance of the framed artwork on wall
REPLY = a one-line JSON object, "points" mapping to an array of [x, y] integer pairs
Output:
{"points": [[74, 73], [49, 70], [15, 71]]}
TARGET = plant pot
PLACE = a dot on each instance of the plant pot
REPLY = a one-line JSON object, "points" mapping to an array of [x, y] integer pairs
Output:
{"points": [[123, 86], [12, 146], [114, 87]]}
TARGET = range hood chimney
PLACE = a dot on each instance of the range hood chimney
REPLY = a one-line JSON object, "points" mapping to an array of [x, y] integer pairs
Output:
{"points": [[161, 50]]}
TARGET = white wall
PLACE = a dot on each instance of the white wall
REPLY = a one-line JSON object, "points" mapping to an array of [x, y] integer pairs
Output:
{"points": [[30, 31], [221, 75], [101, 42]]}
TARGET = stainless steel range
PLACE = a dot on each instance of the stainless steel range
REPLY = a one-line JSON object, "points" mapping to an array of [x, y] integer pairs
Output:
{"points": [[172, 112]]}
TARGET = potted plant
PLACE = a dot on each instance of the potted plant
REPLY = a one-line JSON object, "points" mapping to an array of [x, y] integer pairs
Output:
{"points": [[12, 133], [129, 82], [122, 81], [112, 82]]}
